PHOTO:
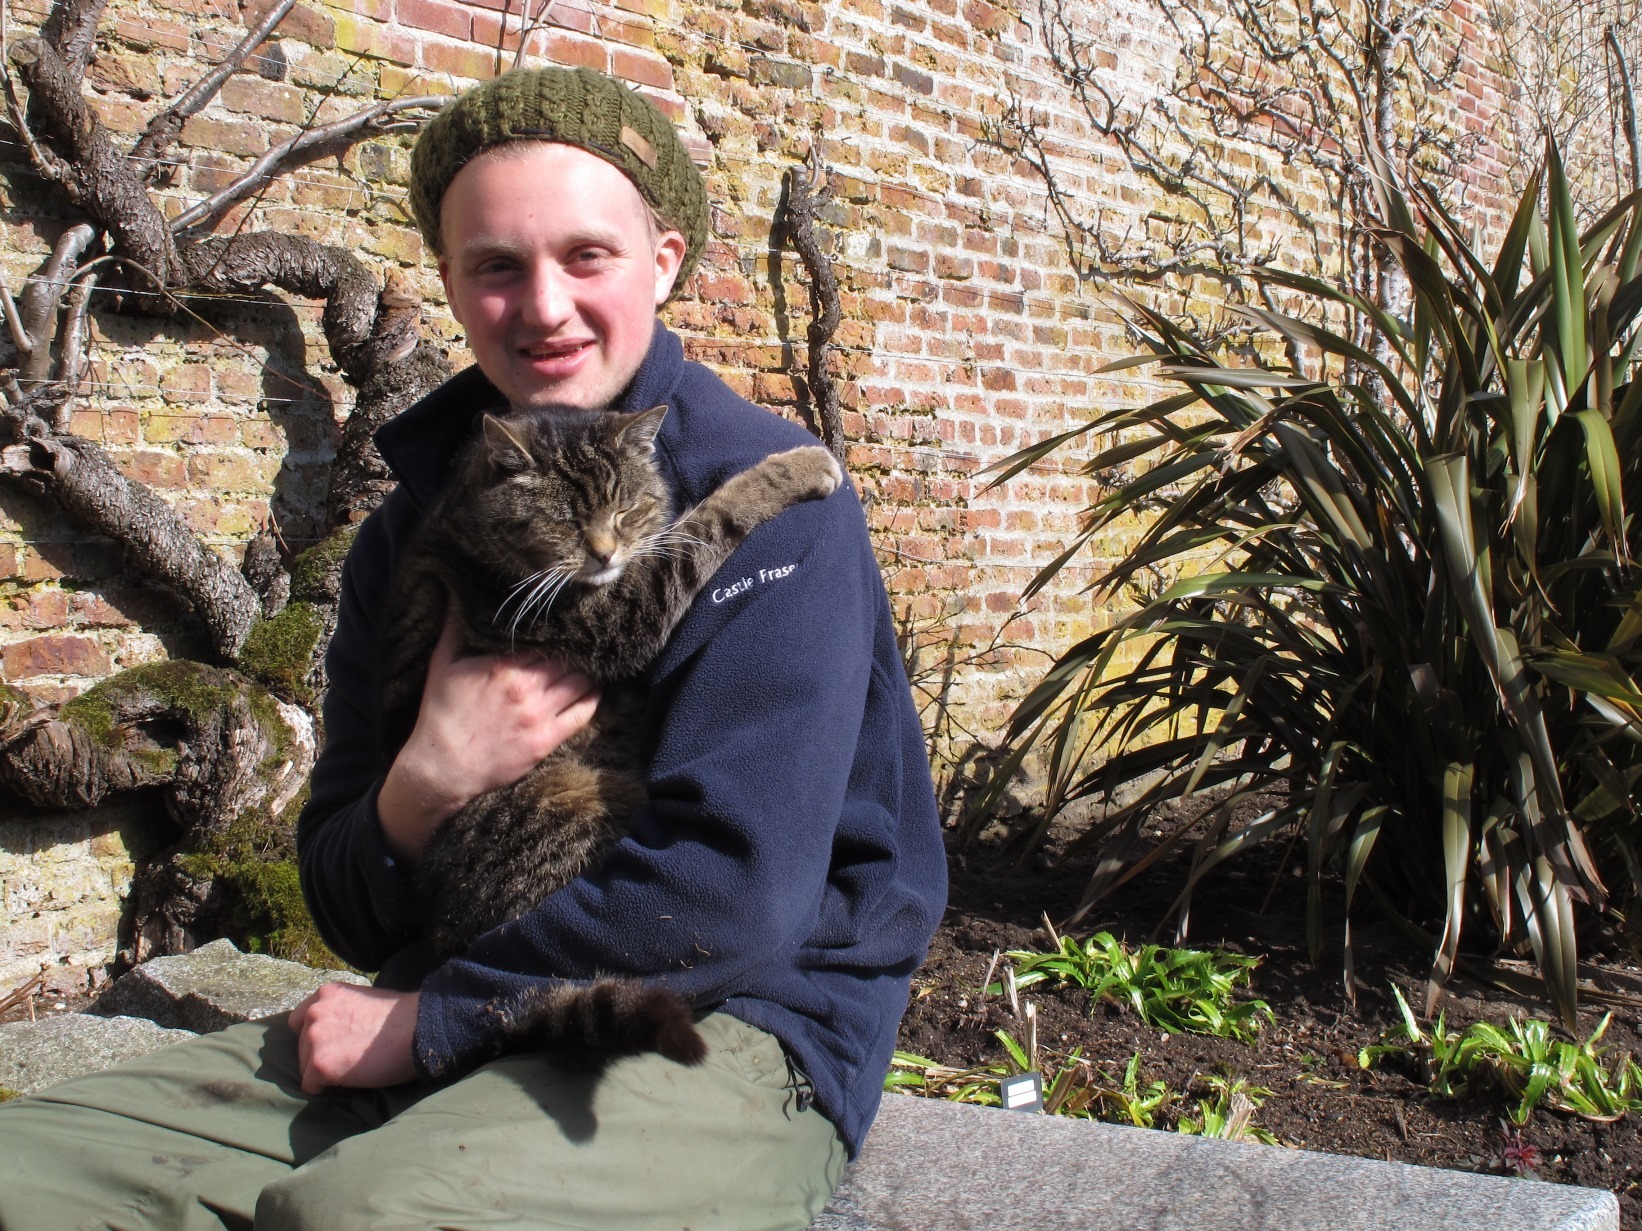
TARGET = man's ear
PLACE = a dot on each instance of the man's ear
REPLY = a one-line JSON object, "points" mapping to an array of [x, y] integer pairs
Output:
{"points": [[504, 448], [640, 431], [670, 250]]}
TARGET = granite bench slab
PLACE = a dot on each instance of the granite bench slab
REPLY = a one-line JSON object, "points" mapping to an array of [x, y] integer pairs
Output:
{"points": [[935, 1166]]}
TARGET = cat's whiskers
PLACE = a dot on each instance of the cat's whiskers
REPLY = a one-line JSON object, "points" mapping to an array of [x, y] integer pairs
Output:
{"points": [[667, 542], [542, 599], [546, 582]]}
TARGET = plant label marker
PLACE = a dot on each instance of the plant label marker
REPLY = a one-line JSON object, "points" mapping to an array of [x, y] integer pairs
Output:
{"points": [[1021, 1093]]}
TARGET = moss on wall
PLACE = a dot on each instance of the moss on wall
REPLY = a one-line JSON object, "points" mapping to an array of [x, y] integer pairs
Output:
{"points": [[315, 573], [279, 652], [253, 862]]}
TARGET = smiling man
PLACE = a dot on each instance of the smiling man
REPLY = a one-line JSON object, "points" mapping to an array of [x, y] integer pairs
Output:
{"points": [[784, 877]]}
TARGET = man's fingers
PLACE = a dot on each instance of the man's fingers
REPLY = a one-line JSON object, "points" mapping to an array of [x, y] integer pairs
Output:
{"points": [[571, 690], [305, 1059], [580, 712]]}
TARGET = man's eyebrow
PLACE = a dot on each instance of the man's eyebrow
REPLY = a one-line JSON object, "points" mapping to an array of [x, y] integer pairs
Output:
{"points": [[484, 245], [590, 233]]}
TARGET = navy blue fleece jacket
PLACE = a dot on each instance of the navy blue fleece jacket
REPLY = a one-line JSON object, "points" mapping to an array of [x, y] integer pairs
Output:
{"points": [[788, 867]]}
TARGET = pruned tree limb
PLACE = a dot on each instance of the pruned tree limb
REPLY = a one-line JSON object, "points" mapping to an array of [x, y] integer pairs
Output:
{"points": [[71, 29], [37, 317], [808, 192], [102, 182], [85, 483], [301, 266]]}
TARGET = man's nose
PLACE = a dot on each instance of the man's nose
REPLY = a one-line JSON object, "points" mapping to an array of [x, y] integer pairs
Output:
{"points": [[548, 303]]}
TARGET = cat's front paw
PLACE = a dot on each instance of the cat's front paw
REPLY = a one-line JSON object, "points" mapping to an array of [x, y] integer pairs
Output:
{"points": [[808, 473]]}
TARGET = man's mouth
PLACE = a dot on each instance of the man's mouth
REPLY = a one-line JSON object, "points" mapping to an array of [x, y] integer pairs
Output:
{"points": [[548, 351]]}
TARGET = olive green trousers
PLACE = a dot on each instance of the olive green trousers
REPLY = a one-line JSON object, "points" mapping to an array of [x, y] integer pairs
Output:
{"points": [[216, 1133]]}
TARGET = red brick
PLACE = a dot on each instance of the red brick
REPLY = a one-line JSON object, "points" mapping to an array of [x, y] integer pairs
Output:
{"points": [[153, 469], [271, 100], [223, 135], [151, 33], [191, 382], [231, 472], [641, 69], [307, 25], [53, 655], [576, 52], [36, 608], [466, 61], [445, 17]]}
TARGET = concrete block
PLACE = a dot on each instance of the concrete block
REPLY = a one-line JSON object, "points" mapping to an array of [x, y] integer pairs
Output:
{"points": [[34, 1055], [214, 986], [929, 1164]]}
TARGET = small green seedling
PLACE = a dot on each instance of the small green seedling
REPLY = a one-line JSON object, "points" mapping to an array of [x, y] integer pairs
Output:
{"points": [[1228, 1114], [1520, 1061], [1181, 991]]}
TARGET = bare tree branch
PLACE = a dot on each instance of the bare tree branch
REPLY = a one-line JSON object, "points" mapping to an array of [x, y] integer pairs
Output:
{"points": [[1627, 106], [164, 128], [41, 296], [73, 346], [372, 121]]}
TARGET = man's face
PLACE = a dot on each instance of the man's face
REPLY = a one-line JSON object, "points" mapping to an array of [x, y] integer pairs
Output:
{"points": [[554, 268]]}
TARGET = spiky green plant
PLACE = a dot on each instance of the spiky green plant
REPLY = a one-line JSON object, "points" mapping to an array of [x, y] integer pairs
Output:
{"points": [[1183, 991], [1521, 1061], [1406, 624]]}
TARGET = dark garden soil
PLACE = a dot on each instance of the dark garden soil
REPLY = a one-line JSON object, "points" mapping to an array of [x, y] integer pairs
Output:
{"points": [[1320, 1099]]}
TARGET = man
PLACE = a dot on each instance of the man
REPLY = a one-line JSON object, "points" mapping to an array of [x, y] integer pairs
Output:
{"points": [[784, 877]]}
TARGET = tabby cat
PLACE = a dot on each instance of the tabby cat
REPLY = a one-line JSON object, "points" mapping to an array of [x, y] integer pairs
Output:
{"points": [[555, 534]]}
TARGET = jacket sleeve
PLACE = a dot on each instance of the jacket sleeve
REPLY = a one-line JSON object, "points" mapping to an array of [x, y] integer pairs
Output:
{"points": [[360, 899], [727, 868]]}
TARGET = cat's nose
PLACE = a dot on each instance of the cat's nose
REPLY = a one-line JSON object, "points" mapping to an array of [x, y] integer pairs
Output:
{"points": [[601, 548]]}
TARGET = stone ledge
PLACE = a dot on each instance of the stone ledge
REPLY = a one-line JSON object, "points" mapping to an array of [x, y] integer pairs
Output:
{"points": [[214, 986], [34, 1055], [931, 1164]]}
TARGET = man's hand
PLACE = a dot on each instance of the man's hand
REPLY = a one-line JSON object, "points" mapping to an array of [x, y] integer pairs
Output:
{"points": [[355, 1036], [485, 721]]}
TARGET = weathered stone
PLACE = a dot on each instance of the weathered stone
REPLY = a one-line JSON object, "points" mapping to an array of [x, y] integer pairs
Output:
{"points": [[63, 878], [934, 1164], [34, 1055], [214, 986]]}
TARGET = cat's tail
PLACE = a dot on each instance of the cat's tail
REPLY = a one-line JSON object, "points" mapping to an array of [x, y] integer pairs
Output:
{"points": [[606, 1018]]}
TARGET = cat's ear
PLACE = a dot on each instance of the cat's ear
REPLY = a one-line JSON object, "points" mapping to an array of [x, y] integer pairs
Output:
{"points": [[640, 431], [505, 449]]}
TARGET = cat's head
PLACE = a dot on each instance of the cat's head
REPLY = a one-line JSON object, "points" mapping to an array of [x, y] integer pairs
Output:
{"points": [[567, 494]]}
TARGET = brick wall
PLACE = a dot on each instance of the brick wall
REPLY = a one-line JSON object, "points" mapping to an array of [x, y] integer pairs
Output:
{"points": [[965, 336]]}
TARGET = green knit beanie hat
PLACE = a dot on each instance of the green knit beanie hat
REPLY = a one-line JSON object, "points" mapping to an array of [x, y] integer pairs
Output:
{"points": [[578, 107]]}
